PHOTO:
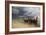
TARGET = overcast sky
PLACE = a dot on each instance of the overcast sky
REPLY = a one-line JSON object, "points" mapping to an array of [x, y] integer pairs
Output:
{"points": [[26, 11]]}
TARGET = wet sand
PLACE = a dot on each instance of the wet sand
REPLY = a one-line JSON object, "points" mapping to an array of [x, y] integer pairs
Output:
{"points": [[21, 24]]}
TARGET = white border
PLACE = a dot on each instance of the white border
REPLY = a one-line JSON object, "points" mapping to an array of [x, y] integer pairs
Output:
{"points": [[24, 29]]}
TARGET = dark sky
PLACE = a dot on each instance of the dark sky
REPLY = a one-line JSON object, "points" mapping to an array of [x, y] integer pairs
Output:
{"points": [[26, 11]]}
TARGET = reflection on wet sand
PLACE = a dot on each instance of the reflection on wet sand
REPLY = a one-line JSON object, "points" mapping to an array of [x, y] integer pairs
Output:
{"points": [[22, 24]]}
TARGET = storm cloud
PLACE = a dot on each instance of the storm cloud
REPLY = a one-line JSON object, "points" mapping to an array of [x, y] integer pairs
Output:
{"points": [[26, 11]]}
